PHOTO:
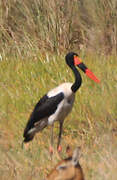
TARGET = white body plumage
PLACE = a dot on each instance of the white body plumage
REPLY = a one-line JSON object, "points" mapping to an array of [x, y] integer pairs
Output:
{"points": [[65, 106]]}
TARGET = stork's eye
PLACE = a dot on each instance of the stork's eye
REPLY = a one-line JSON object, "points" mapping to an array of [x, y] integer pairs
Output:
{"points": [[77, 60]]}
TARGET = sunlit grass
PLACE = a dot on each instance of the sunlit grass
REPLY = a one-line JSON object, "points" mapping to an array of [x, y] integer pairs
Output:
{"points": [[92, 123]]}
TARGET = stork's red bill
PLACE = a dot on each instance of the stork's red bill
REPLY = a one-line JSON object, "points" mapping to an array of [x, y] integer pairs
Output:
{"points": [[78, 62]]}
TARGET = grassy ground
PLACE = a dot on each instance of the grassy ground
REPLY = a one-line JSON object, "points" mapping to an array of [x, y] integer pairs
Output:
{"points": [[91, 125]]}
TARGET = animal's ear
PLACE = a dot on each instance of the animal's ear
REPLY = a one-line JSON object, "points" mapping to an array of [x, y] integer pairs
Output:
{"points": [[62, 167], [76, 156], [69, 151]]}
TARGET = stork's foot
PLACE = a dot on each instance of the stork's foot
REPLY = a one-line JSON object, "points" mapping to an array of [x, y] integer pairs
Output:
{"points": [[59, 148], [51, 150]]}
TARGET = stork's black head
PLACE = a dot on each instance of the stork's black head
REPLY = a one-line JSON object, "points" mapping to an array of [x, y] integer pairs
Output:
{"points": [[72, 59]]}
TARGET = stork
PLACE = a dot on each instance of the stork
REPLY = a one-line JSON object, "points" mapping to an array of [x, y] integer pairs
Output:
{"points": [[57, 103]]}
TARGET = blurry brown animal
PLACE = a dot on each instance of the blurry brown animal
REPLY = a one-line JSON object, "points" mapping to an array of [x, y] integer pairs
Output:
{"points": [[68, 169]]}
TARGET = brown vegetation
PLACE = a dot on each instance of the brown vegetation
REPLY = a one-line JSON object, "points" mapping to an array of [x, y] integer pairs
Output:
{"points": [[57, 26]]}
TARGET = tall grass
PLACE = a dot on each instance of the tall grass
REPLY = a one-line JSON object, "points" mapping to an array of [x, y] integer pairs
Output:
{"points": [[91, 125], [56, 26]]}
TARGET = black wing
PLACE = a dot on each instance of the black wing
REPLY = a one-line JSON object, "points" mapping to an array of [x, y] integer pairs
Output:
{"points": [[44, 108]]}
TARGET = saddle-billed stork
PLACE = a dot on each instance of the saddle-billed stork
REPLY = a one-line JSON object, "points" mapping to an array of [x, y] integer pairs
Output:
{"points": [[57, 103]]}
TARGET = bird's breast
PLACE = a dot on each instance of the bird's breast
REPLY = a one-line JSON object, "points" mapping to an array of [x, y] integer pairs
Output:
{"points": [[68, 104], [63, 109]]}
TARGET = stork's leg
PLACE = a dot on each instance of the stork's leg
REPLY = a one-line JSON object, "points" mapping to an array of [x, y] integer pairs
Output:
{"points": [[51, 139], [59, 137]]}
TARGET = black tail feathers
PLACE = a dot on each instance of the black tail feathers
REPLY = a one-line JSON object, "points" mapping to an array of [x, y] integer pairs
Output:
{"points": [[28, 138], [32, 128]]}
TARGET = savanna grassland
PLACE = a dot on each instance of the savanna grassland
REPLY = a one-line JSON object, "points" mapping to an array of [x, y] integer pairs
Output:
{"points": [[34, 38]]}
